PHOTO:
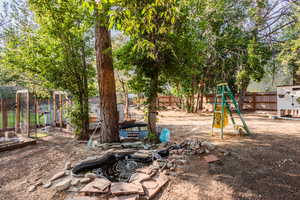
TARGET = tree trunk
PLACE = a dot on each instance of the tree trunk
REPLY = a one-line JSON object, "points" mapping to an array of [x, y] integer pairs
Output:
{"points": [[84, 118], [201, 97], [84, 98], [198, 101], [201, 101], [106, 83], [126, 108], [152, 107]]}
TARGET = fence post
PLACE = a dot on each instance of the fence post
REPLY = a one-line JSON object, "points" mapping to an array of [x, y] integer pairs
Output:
{"points": [[28, 114], [4, 114], [254, 101], [17, 124], [54, 109], [60, 111]]}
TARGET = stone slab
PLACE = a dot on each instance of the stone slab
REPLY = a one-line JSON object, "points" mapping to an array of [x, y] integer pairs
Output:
{"points": [[58, 176], [63, 185], [139, 177], [122, 188], [153, 186], [99, 185]]}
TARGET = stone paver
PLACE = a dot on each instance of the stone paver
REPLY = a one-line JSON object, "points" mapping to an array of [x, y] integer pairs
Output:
{"points": [[153, 186], [99, 185], [122, 188]]}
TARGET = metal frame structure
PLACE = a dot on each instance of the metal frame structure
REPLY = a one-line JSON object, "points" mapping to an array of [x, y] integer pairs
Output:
{"points": [[27, 115], [227, 97], [60, 95]]}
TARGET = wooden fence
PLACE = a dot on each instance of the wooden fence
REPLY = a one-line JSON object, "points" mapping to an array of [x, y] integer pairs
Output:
{"points": [[252, 101]]}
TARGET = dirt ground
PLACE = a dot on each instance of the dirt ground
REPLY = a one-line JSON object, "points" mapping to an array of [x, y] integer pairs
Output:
{"points": [[265, 165]]}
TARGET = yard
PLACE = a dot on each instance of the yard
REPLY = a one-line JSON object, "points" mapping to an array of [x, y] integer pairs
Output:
{"points": [[265, 165]]}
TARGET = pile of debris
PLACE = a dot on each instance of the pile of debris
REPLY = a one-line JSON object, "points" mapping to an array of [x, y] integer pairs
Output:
{"points": [[130, 179]]}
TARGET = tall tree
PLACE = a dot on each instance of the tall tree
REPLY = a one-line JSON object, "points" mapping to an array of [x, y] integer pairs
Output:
{"points": [[105, 73], [68, 24], [149, 24], [55, 51]]}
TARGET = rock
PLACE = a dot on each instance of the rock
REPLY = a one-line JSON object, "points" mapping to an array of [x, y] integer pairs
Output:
{"points": [[169, 165], [208, 145], [121, 188], [139, 177], [211, 158], [32, 188], [90, 175], [24, 182], [68, 166], [73, 189], [57, 176], [85, 180], [200, 151], [63, 185], [99, 185], [68, 172], [144, 170], [47, 185], [162, 163], [153, 186], [150, 184], [194, 144], [38, 183], [75, 182]]}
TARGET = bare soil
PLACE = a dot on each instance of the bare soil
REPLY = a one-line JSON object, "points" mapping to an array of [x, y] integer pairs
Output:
{"points": [[265, 165]]}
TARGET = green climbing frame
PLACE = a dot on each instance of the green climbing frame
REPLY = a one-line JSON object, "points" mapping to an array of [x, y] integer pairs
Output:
{"points": [[227, 97]]}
